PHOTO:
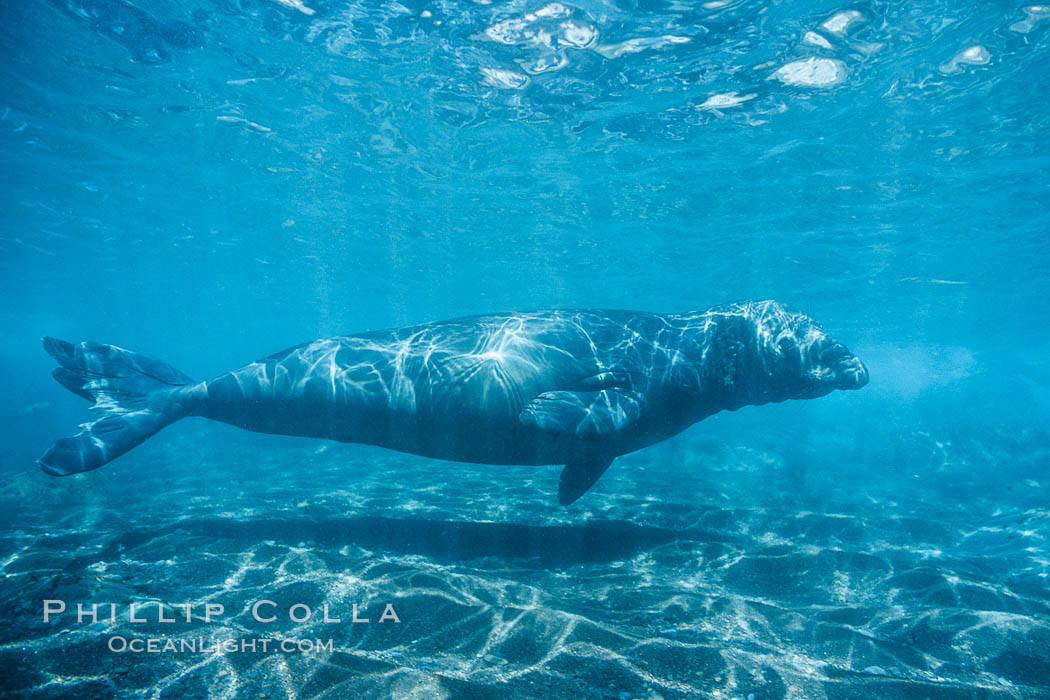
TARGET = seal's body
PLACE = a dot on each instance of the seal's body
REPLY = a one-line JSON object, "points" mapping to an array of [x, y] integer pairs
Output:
{"points": [[550, 387]]}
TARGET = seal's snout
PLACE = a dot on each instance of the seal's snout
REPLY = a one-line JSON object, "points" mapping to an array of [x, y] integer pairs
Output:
{"points": [[848, 370], [851, 373]]}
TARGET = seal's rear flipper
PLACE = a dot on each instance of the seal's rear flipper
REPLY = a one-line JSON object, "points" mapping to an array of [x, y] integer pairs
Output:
{"points": [[136, 396], [579, 476]]}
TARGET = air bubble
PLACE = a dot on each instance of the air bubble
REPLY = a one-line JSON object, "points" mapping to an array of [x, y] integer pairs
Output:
{"points": [[842, 21], [816, 40], [297, 5], [637, 45], [578, 35], [812, 72], [545, 32], [545, 63], [555, 9], [1034, 14], [725, 100], [505, 78], [974, 56], [511, 31]]}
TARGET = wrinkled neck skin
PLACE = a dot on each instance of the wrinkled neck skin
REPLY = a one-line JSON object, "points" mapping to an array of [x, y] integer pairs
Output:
{"points": [[729, 346]]}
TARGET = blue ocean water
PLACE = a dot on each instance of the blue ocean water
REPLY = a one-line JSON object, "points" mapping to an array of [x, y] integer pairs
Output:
{"points": [[208, 181]]}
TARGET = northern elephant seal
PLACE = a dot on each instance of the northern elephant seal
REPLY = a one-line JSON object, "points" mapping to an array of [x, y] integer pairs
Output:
{"points": [[577, 388]]}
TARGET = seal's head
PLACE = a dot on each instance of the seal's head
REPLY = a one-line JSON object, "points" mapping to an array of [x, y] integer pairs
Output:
{"points": [[801, 361]]}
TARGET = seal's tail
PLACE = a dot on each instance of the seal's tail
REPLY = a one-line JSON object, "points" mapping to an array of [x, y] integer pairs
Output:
{"points": [[134, 394]]}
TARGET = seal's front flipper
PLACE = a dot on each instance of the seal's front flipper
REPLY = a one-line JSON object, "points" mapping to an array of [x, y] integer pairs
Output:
{"points": [[135, 395], [579, 476], [584, 414]]}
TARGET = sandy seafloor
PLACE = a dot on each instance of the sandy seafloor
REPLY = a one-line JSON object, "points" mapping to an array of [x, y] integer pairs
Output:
{"points": [[698, 569]]}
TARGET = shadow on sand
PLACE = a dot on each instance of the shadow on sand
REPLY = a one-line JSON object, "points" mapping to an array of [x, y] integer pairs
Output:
{"points": [[542, 545]]}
